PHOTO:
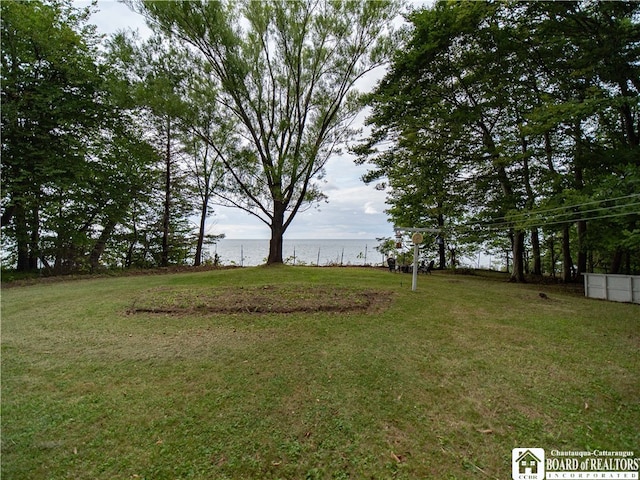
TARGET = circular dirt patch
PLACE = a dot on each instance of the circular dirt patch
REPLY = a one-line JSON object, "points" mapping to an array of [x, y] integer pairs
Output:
{"points": [[260, 299]]}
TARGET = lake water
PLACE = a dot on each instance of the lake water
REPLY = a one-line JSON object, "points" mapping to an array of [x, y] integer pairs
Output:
{"points": [[300, 252]]}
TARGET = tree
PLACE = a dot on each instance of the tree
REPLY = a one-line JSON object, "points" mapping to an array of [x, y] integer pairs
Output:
{"points": [[286, 72], [156, 79], [48, 85], [440, 105], [542, 101], [71, 165], [207, 171], [123, 179], [159, 93], [587, 99], [420, 173]]}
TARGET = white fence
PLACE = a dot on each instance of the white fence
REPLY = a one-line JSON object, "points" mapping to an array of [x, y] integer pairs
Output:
{"points": [[618, 288]]}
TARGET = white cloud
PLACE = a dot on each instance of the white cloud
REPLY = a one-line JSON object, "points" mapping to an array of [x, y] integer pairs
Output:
{"points": [[369, 209]]}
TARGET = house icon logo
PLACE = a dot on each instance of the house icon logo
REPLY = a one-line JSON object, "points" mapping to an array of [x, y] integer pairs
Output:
{"points": [[527, 464]]}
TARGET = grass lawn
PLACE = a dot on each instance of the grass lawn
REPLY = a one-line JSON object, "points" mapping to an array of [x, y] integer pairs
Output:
{"points": [[155, 377]]}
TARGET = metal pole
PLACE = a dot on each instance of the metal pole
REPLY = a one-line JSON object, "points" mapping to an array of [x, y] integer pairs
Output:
{"points": [[417, 239], [414, 281]]}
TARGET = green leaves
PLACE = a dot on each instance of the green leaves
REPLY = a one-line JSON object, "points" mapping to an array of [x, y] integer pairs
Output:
{"points": [[284, 71], [71, 163], [505, 106]]}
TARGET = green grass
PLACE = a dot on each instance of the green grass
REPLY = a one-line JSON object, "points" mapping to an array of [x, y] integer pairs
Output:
{"points": [[441, 384]]}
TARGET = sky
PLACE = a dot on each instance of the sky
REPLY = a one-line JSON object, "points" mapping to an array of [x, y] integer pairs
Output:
{"points": [[353, 210]]}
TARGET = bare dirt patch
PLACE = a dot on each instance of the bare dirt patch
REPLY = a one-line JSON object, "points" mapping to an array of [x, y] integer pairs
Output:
{"points": [[260, 300]]}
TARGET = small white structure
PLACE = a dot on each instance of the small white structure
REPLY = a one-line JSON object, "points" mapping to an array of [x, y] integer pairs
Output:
{"points": [[617, 288]]}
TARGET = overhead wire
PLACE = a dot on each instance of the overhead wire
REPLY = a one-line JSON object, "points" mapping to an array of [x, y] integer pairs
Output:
{"points": [[541, 218], [515, 217], [535, 218]]}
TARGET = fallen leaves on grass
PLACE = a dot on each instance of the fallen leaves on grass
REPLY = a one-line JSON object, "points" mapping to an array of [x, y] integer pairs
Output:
{"points": [[259, 299]]}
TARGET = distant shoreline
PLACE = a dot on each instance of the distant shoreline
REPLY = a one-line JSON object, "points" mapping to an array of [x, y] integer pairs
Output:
{"points": [[304, 251]]}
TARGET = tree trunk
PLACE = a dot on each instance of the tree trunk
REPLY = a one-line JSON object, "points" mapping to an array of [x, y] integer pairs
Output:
{"points": [[452, 254], [535, 240], [628, 121], [616, 261], [517, 237], [567, 262], [442, 252], [27, 242], [518, 257], [22, 238], [203, 221], [627, 262], [128, 261], [164, 261], [34, 245], [551, 245], [581, 225], [508, 258], [535, 247], [582, 247], [277, 234], [101, 244]]}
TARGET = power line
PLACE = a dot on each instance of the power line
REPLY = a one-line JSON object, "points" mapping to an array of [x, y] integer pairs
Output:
{"points": [[622, 214], [540, 219], [543, 223], [535, 217], [566, 207]]}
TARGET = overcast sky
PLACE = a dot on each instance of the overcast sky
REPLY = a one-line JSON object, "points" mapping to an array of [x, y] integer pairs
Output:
{"points": [[354, 210]]}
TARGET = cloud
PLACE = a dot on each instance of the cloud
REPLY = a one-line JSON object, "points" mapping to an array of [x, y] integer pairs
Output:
{"points": [[369, 209], [351, 212]]}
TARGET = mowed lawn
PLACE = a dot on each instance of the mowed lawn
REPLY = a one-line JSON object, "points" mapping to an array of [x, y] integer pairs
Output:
{"points": [[441, 383]]}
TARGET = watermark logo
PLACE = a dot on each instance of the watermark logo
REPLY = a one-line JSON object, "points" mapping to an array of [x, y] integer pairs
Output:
{"points": [[527, 464], [533, 464]]}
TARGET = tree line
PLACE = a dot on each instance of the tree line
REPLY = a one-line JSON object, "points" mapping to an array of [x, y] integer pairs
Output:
{"points": [[111, 147], [509, 126], [515, 126], [84, 132]]}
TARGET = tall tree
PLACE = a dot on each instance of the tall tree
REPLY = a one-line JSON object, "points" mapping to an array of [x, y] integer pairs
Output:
{"points": [[421, 175], [585, 62], [157, 79], [203, 128], [286, 71], [65, 144], [49, 84], [447, 90], [543, 101]]}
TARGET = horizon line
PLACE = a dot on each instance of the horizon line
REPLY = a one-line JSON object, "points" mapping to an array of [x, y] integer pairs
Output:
{"points": [[312, 239]]}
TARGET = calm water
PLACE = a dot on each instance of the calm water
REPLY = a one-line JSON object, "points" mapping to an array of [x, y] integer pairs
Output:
{"points": [[301, 252]]}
